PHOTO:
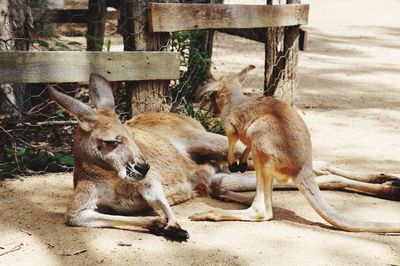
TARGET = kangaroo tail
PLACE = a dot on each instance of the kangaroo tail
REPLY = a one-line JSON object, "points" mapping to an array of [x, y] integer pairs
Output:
{"points": [[309, 187]]}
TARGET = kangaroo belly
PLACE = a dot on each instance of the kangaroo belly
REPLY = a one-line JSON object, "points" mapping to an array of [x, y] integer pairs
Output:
{"points": [[120, 197], [282, 179], [170, 163]]}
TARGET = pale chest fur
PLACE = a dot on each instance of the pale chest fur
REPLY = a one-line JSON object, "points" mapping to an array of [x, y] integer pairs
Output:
{"points": [[240, 119], [120, 196]]}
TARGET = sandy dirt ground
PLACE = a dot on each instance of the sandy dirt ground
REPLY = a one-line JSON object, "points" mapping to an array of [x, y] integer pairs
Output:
{"points": [[349, 92]]}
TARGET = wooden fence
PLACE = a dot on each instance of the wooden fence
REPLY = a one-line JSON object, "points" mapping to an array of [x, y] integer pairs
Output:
{"points": [[145, 27], [59, 67], [181, 17]]}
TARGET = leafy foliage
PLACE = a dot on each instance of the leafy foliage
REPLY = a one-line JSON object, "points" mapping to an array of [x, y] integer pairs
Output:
{"points": [[194, 67], [210, 123], [52, 42], [107, 44], [194, 72], [19, 159]]}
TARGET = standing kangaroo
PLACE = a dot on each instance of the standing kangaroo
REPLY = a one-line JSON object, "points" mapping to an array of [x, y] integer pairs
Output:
{"points": [[156, 160], [281, 149]]}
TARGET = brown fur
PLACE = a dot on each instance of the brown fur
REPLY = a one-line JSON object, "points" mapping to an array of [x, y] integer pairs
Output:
{"points": [[281, 149], [106, 151], [184, 160]]}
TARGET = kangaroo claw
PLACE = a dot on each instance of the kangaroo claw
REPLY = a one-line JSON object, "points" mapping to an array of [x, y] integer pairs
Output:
{"points": [[233, 168], [242, 167]]}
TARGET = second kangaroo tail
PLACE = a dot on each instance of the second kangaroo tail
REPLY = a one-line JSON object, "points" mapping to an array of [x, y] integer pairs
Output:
{"points": [[309, 187]]}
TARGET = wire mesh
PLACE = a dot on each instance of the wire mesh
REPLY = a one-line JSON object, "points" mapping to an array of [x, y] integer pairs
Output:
{"points": [[36, 135]]}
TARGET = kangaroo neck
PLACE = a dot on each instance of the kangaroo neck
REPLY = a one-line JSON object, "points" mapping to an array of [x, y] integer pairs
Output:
{"points": [[231, 100]]}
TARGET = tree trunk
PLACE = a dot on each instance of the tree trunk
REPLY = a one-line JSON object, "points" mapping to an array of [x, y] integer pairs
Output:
{"points": [[281, 58], [15, 29], [209, 36], [274, 60], [97, 10], [146, 95]]}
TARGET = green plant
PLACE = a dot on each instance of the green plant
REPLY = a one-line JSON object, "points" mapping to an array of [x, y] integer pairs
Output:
{"points": [[17, 159], [211, 124], [107, 44], [51, 42], [194, 72], [194, 67]]}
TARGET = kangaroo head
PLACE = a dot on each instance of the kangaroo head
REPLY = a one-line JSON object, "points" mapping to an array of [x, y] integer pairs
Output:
{"points": [[101, 138], [221, 91]]}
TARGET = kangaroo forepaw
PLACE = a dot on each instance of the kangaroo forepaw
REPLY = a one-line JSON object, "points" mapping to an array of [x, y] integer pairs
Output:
{"points": [[391, 190], [242, 167], [396, 183], [382, 178], [233, 168], [176, 233], [170, 232]]}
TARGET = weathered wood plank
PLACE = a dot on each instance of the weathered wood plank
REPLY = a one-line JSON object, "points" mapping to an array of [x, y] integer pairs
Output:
{"points": [[151, 95], [67, 15], [45, 67], [178, 17]]}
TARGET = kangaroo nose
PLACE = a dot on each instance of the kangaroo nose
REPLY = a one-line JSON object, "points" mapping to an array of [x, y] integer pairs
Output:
{"points": [[142, 168]]}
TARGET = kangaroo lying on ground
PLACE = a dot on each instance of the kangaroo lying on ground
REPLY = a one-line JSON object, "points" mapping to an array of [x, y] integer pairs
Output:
{"points": [[156, 160], [281, 149]]}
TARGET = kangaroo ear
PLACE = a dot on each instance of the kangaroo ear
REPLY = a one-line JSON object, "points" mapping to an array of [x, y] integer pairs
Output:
{"points": [[101, 93], [210, 87], [86, 116], [243, 74]]}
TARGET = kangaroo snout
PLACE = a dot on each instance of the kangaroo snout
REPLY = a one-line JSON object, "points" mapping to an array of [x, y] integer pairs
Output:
{"points": [[142, 168], [137, 170]]}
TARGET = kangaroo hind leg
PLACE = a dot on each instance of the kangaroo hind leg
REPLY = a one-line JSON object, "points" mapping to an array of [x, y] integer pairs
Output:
{"points": [[82, 212], [260, 209], [377, 184], [154, 195]]}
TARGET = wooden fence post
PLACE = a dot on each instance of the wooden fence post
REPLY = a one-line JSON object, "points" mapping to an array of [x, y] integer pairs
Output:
{"points": [[97, 10], [15, 18], [207, 42], [290, 77], [146, 95], [209, 36], [274, 61], [281, 58]]}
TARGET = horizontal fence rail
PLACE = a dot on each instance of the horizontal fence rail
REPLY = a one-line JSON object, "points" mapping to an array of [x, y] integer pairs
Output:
{"points": [[179, 17], [80, 16], [71, 66]]}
